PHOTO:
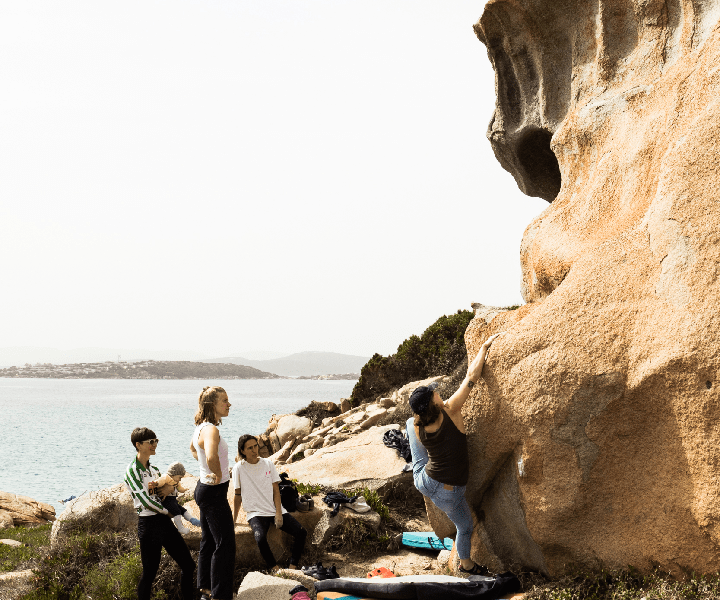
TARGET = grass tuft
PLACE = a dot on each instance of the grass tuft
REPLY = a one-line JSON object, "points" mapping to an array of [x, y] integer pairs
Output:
{"points": [[34, 539], [627, 584]]}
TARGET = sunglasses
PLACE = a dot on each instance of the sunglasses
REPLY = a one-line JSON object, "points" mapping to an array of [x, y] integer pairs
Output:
{"points": [[155, 441]]}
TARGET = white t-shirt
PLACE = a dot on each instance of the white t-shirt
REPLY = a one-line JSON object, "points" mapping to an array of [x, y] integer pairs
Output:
{"points": [[256, 484], [205, 472]]}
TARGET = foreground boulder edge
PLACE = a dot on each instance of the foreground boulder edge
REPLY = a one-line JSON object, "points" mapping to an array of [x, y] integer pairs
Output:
{"points": [[595, 438]]}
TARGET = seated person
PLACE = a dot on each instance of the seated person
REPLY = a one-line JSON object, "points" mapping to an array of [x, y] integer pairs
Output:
{"points": [[256, 488]]}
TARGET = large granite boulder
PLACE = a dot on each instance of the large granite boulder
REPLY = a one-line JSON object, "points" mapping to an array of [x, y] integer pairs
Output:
{"points": [[292, 427], [595, 439], [109, 509], [362, 460], [21, 510]]}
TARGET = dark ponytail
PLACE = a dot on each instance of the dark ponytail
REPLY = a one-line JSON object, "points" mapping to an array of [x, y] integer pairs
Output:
{"points": [[428, 416]]}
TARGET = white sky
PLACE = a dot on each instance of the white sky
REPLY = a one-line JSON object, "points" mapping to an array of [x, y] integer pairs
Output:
{"points": [[226, 176]]}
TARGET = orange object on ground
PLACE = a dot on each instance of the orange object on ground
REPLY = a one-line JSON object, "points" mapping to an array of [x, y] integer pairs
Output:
{"points": [[380, 572]]}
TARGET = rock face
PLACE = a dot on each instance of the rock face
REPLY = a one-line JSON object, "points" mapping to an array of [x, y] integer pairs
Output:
{"points": [[362, 460], [21, 510], [292, 427], [595, 438]]}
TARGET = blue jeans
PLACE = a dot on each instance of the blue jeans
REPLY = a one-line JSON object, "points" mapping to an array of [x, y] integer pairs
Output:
{"points": [[452, 502]]}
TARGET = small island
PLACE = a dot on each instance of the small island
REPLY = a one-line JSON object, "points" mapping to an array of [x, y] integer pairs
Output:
{"points": [[144, 369]]}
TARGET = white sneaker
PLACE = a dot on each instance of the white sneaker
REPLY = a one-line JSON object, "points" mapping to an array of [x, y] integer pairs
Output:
{"points": [[359, 505], [180, 527]]}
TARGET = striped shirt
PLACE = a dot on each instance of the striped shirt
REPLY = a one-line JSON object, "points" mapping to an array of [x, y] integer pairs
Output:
{"points": [[137, 478]]}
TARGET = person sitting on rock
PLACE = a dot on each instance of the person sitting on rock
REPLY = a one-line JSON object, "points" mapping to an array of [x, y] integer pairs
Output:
{"points": [[155, 529], [440, 456], [257, 490]]}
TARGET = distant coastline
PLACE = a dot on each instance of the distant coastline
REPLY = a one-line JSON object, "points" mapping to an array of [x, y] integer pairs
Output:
{"points": [[146, 369]]}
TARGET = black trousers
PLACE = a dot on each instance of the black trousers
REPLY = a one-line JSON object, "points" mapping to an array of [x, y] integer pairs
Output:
{"points": [[173, 506], [260, 526], [216, 562], [155, 533]]}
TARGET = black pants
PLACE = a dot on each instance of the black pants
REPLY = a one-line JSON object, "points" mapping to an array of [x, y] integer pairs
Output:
{"points": [[155, 533], [216, 562], [260, 526], [173, 506]]}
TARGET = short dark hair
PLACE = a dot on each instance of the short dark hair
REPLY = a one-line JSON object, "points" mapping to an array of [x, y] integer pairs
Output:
{"points": [[140, 434], [244, 439]]}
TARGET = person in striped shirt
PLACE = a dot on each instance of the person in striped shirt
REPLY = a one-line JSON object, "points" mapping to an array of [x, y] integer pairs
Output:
{"points": [[155, 529]]}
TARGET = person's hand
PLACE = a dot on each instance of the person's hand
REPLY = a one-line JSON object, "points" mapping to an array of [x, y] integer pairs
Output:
{"points": [[278, 521], [475, 368], [210, 479], [490, 340], [152, 487]]}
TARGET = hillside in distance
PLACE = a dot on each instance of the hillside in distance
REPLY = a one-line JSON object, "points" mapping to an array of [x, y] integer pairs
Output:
{"points": [[147, 369], [302, 363]]}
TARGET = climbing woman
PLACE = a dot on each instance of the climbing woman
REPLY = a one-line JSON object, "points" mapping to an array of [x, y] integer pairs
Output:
{"points": [[440, 455], [216, 561]]}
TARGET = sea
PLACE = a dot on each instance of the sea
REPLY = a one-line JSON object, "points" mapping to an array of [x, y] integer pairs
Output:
{"points": [[64, 437]]}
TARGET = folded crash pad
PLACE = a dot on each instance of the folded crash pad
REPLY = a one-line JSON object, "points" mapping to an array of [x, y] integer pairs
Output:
{"points": [[427, 540]]}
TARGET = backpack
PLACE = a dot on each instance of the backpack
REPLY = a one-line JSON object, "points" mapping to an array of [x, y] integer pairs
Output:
{"points": [[288, 493]]}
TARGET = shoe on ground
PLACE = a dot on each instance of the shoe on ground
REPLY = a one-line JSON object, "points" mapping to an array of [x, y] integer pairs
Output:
{"points": [[476, 570], [302, 505], [312, 570], [298, 588], [359, 506], [194, 521]]}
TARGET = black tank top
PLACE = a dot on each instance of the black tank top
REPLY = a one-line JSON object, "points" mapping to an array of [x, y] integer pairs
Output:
{"points": [[447, 449]]}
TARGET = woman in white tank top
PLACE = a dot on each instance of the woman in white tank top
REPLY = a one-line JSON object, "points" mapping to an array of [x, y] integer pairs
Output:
{"points": [[216, 561]]}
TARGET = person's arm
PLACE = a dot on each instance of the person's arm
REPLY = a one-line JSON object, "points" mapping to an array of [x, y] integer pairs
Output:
{"points": [[192, 450], [141, 493], [474, 372], [278, 505], [237, 502], [211, 441]]}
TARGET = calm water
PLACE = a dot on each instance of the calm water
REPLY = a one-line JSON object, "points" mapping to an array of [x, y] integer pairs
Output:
{"points": [[61, 437]]}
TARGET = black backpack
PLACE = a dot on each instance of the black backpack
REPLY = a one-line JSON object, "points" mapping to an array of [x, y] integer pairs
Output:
{"points": [[288, 493]]}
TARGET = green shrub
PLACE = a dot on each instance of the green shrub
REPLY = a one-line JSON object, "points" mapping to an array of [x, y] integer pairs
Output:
{"points": [[116, 580], [314, 489], [357, 537], [438, 351], [34, 538], [101, 565]]}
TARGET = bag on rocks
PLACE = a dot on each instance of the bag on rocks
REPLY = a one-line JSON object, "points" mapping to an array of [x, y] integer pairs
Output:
{"points": [[394, 438], [288, 493]]}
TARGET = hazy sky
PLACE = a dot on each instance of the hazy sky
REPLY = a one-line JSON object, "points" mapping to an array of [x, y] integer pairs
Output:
{"points": [[226, 176]]}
